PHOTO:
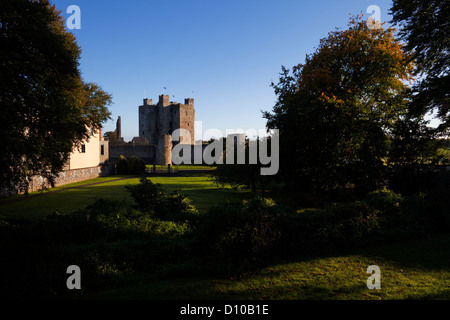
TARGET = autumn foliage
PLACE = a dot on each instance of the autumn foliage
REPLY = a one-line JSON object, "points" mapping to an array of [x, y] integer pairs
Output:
{"points": [[334, 111]]}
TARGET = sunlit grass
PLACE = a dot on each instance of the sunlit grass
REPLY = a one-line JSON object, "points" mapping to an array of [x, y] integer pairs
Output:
{"points": [[411, 270], [67, 200], [66, 186], [198, 187], [181, 167]]}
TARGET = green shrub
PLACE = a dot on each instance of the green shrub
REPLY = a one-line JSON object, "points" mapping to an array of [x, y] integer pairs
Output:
{"points": [[337, 227], [349, 225], [122, 165], [413, 215], [299, 233], [239, 236], [151, 198], [389, 205], [178, 207], [136, 165], [147, 195], [418, 216], [385, 200]]}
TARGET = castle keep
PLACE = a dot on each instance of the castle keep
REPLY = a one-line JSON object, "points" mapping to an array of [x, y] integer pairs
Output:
{"points": [[158, 121]]}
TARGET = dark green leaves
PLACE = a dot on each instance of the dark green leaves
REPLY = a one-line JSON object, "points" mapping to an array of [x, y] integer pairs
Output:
{"points": [[46, 108]]}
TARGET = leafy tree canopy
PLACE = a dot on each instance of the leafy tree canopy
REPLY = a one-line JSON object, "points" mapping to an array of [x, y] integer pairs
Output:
{"points": [[46, 107], [425, 28], [334, 111]]}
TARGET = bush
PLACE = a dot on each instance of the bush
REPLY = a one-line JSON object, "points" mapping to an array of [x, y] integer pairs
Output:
{"points": [[413, 215], [389, 205], [349, 225], [239, 236], [133, 165], [122, 165], [337, 227], [152, 199], [136, 165], [113, 243], [418, 216], [385, 200], [178, 207], [147, 195]]}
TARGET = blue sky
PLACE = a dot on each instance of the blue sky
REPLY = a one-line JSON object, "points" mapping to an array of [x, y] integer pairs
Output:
{"points": [[222, 53]]}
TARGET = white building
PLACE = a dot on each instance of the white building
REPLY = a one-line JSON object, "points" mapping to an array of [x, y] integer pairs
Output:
{"points": [[84, 163], [92, 153]]}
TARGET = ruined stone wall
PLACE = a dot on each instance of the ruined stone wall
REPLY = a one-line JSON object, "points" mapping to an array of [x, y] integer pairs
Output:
{"points": [[146, 152]]}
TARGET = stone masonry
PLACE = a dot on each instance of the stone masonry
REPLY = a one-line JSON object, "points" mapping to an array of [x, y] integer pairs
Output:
{"points": [[158, 121]]}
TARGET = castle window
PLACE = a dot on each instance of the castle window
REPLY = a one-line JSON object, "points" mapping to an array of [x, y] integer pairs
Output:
{"points": [[143, 133], [102, 150], [83, 148]]}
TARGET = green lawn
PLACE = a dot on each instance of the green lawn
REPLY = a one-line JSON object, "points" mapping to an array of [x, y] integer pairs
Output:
{"points": [[182, 167], [418, 269], [201, 190], [197, 186]]}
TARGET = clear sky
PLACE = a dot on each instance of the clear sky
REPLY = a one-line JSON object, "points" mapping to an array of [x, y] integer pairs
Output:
{"points": [[222, 53]]}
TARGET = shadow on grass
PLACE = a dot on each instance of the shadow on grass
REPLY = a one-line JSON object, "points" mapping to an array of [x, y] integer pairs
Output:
{"points": [[411, 270], [430, 252]]}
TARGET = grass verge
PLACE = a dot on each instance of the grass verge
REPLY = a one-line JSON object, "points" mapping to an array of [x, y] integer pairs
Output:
{"points": [[418, 269]]}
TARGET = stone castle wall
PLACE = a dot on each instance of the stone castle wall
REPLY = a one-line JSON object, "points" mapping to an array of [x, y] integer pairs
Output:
{"points": [[72, 176], [158, 122], [139, 147]]}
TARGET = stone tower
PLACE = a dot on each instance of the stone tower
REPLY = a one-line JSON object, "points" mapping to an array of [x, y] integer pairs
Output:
{"points": [[158, 122], [119, 128]]}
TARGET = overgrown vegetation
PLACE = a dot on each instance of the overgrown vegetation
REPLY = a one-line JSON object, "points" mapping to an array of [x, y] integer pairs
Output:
{"points": [[113, 242], [161, 235]]}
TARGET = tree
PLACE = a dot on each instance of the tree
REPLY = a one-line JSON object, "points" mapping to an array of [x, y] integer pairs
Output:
{"points": [[334, 111], [413, 155], [46, 107], [136, 166], [110, 136], [425, 28], [241, 175]]}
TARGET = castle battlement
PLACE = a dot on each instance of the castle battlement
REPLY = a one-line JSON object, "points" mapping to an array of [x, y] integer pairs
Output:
{"points": [[164, 101], [158, 122]]}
